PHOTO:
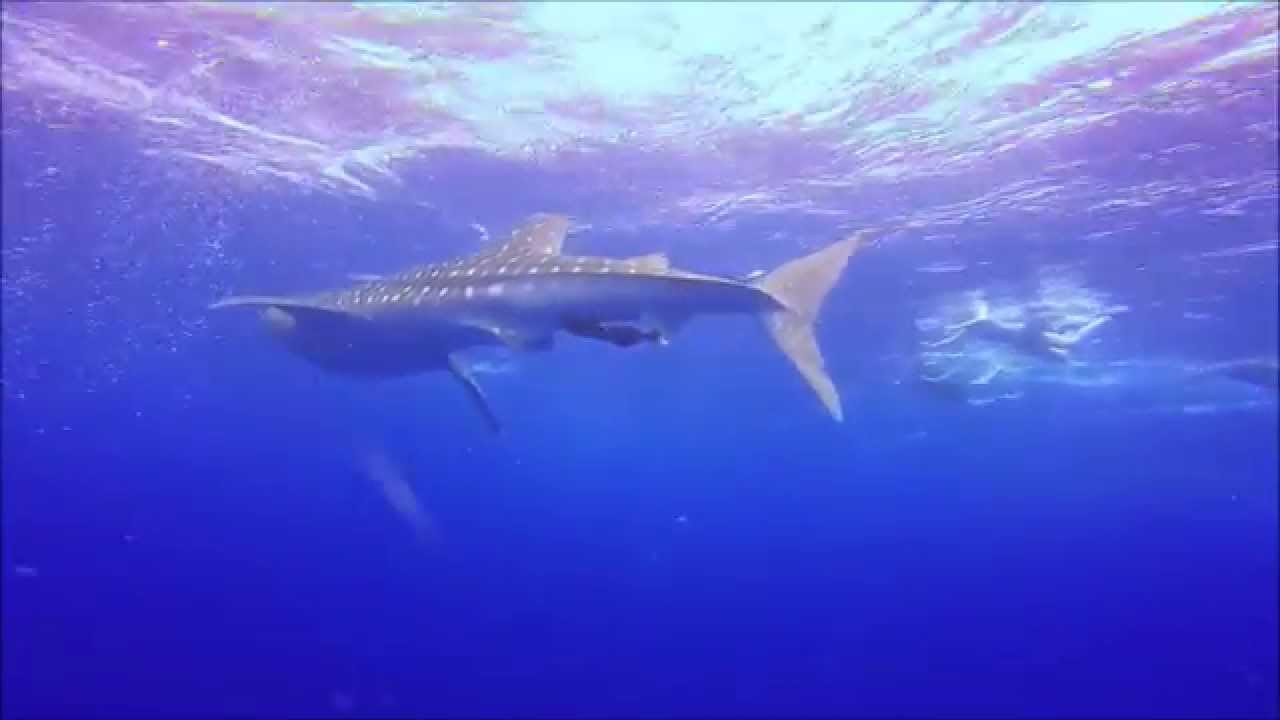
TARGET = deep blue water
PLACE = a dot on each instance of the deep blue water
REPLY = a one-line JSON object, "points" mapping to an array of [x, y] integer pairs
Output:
{"points": [[190, 526], [661, 532]]}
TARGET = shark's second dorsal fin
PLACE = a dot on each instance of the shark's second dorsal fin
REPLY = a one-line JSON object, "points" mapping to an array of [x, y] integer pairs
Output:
{"points": [[542, 234]]}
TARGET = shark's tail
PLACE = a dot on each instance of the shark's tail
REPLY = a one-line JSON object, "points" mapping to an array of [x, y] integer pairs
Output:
{"points": [[801, 286]]}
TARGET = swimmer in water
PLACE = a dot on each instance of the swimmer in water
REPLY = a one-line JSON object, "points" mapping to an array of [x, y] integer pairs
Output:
{"points": [[1031, 337], [1262, 372]]}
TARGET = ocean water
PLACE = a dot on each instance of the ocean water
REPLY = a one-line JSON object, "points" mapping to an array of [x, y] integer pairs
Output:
{"points": [[1053, 494]]}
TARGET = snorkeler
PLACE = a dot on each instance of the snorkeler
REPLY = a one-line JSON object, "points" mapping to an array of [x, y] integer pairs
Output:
{"points": [[1032, 337]]}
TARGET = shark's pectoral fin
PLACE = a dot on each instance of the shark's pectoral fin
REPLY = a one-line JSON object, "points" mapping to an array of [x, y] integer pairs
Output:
{"points": [[460, 370]]}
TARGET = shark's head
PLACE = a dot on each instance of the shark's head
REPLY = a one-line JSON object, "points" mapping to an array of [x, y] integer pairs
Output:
{"points": [[311, 335], [346, 343], [297, 334]]}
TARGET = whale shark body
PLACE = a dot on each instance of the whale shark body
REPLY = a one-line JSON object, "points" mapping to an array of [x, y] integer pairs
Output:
{"points": [[523, 292]]}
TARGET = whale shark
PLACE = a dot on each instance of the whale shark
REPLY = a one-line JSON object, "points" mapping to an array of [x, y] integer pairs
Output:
{"points": [[524, 291]]}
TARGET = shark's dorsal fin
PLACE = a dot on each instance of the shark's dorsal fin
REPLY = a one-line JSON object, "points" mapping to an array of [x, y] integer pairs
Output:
{"points": [[652, 263], [542, 234]]}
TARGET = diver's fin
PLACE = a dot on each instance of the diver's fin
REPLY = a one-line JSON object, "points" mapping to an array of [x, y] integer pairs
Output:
{"points": [[1075, 336], [460, 370], [937, 378], [652, 263], [982, 313], [944, 341], [801, 286], [987, 376], [541, 234]]}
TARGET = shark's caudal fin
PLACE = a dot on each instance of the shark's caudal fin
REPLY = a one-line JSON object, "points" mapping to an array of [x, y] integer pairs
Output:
{"points": [[801, 286]]}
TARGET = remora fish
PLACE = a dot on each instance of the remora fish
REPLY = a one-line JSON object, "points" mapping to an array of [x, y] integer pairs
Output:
{"points": [[524, 291]]}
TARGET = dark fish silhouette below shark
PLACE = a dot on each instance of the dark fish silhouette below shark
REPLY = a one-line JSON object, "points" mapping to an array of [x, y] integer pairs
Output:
{"points": [[521, 293]]}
